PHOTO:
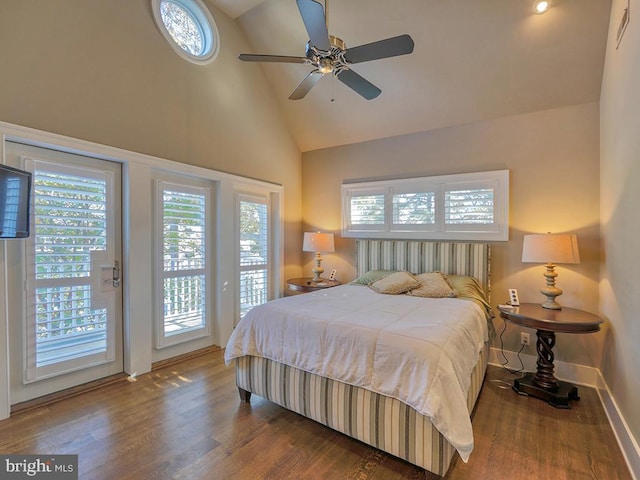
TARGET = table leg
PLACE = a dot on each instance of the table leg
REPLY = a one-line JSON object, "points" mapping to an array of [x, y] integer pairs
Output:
{"points": [[544, 375], [543, 384]]}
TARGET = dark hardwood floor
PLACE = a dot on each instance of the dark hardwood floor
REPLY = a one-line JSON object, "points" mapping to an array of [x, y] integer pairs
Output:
{"points": [[185, 421]]}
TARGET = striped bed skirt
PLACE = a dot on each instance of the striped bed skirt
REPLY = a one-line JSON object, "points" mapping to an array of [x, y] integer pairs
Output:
{"points": [[382, 422]]}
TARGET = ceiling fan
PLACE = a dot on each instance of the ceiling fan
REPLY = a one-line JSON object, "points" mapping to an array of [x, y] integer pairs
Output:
{"points": [[329, 54]]}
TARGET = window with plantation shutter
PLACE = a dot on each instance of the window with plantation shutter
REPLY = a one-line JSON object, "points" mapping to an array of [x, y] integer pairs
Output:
{"points": [[71, 307], [67, 207], [183, 277], [367, 209], [254, 234], [415, 210], [471, 206]]}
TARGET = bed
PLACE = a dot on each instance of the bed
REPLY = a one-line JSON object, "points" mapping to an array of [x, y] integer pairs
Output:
{"points": [[387, 379]]}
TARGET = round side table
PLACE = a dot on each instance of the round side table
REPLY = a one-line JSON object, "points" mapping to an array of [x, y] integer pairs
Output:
{"points": [[542, 383], [306, 284]]}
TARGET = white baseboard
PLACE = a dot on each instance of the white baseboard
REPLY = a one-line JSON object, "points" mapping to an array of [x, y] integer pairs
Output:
{"points": [[590, 377], [569, 372], [628, 444]]}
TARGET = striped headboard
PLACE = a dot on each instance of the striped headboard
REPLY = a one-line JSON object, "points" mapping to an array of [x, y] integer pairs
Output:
{"points": [[471, 259]]}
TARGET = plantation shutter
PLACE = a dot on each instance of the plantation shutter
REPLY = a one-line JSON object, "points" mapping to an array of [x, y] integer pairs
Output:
{"points": [[254, 252], [70, 224], [469, 206], [184, 260], [367, 210]]}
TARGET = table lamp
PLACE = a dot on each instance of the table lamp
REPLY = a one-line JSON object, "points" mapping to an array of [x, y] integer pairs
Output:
{"points": [[318, 242], [550, 249]]}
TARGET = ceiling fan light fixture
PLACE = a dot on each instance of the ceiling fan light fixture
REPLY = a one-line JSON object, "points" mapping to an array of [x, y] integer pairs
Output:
{"points": [[325, 66], [541, 6]]}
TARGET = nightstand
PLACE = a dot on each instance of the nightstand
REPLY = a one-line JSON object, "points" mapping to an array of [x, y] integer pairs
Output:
{"points": [[306, 285], [543, 383]]}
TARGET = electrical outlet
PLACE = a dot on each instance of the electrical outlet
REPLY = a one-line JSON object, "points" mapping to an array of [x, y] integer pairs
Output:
{"points": [[524, 338]]}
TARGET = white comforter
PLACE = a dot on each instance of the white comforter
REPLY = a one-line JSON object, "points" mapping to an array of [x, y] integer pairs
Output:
{"points": [[418, 350]]}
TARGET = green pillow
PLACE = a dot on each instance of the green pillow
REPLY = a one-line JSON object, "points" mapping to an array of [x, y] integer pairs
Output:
{"points": [[372, 276], [469, 287]]}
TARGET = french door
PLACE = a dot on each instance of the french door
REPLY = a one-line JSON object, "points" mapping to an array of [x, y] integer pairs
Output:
{"points": [[70, 308]]}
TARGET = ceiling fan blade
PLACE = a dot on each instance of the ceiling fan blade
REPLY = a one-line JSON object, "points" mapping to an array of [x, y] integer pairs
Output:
{"points": [[390, 47], [306, 85], [313, 17], [249, 57], [357, 83]]}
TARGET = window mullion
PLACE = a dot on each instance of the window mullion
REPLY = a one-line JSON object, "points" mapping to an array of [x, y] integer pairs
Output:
{"points": [[440, 211], [388, 210]]}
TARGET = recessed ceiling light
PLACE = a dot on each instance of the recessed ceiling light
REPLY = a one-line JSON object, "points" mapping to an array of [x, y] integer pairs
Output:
{"points": [[541, 6]]}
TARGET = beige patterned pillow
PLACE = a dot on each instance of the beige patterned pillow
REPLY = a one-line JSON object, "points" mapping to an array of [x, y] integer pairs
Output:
{"points": [[395, 283], [433, 285]]}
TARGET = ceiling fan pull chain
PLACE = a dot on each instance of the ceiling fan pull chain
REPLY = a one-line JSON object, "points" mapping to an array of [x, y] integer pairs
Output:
{"points": [[332, 88]]}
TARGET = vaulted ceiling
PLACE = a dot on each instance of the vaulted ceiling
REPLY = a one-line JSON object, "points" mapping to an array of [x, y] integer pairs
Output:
{"points": [[473, 60]]}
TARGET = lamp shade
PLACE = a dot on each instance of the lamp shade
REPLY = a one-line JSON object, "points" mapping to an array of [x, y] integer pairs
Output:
{"points": [[550, 248], [318, 242]]}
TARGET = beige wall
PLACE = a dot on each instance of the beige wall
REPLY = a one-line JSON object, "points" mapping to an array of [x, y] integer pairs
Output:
{"points": [[553, 158], [620, 187], [101, 71]]}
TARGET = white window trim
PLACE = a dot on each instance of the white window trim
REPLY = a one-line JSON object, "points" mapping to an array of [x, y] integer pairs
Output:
{"points": [[162, 340], [203, 16], [498, 180]]}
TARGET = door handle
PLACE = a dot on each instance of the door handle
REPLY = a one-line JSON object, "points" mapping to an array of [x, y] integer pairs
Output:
{"points": [[116, 273]]}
